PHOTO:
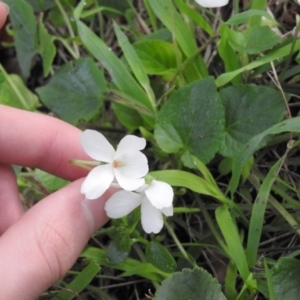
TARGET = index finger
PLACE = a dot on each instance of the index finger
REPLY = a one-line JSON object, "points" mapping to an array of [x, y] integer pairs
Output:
{"points": [[36, 140]]}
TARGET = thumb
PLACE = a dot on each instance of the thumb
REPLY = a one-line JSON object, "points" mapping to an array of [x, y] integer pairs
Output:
{"points": [[4, 10], [43, 245]]}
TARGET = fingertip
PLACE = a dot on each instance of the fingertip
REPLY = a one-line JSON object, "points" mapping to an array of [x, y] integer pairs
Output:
{"points": [[4, 11]]}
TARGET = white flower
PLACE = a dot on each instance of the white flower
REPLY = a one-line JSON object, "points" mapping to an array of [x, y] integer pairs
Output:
{"points": [[155, 200], [212, 3], [127, 164]]}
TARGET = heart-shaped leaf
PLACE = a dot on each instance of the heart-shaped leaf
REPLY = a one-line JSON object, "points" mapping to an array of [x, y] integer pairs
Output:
{"points": [[249, 110], [190, 284], [192, 121], [285, 279], [160, 257], [253, 40], [75, 91]]}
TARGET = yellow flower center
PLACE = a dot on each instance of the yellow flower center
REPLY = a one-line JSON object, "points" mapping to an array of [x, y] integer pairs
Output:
{"points": [[117, 164]]}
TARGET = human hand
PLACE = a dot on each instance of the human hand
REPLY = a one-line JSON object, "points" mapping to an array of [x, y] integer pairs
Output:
{"points": [[3, 13], [39, 246]]}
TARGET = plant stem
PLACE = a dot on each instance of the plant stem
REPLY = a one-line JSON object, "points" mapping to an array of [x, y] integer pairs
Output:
{"points": [[69, 26], [178, 244], [14, 88]]}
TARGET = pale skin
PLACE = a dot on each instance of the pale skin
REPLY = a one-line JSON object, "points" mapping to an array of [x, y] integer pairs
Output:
{"points": [[39, 246]]}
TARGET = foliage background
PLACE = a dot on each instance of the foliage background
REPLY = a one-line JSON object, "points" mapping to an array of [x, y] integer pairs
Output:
{"points": [[215, 93]]}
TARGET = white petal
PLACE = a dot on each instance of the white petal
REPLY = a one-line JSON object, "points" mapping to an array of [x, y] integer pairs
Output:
{"points": [[141, 189], [121, 204], [130, 143], [97, 146], [167, 211], [126, 183], [133, 164], [97, 181], [212, 3], [160, 194], [152, 219]]}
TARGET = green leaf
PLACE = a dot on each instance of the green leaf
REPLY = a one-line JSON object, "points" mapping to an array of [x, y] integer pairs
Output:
{"points": [[244, 17], [129, 117], [118, 250], [115, 4], [260, 5], [190, 285], [285, 279], [188, 180], [46, 48], [258, 213], [253, 145], [134, 62], [227, 54], [170, 17], [157, 57], [192, 121], [120, 75], [50, 182], [24, 25], [249, 110], [205, 172], [194, 16], [253, 40], [81, 281], [160, 257], [41, 5], [271, 56], [229, 230], [82, 85], [162, 34], [13, 92], [129, 266], [269, 281]]}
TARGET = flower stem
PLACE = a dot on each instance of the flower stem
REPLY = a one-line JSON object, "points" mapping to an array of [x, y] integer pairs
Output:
{"points": [[178, 244], [84, 164]]}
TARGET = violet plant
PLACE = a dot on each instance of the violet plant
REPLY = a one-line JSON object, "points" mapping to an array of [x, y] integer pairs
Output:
{"points": [[209, 208]]}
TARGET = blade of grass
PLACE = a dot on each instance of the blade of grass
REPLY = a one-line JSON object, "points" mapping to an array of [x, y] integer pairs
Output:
{"points": [[257, 4], [120, 75], [273, 55], [269, 281], [79, 283], [258, 212], [204, 171], [190, 181], [229, 230], [134, 62], [228, 54], [254, 144], [230, 281], [169, 16], [194, 16], [129, 266], [285, 214]]}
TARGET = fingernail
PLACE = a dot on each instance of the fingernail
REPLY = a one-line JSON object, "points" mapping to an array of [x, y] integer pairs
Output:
{"points": [[6, 6], [94, 210], [87, 209]]}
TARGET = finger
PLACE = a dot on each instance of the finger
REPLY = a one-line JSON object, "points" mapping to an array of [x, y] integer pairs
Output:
{"points": [[4, 10], [11, 209], [43, 245], [35, 140]]}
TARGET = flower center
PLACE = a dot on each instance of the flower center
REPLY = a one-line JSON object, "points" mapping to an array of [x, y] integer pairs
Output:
{"points": [[117, 164]]}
